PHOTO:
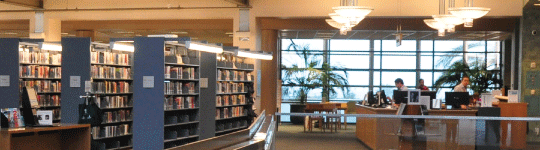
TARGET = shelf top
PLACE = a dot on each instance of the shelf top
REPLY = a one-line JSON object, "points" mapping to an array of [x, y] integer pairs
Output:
{"points": [[231, 118], [115, 65], [111, 93], [173, 79], [112, 79], [48, 92], [233, 81], [102, 138], [130, 107], [116, 122], [226, 68], [231, 93], [34, 78], [55, 65], [40, 129], [186, 94], [233, 105], [179, 124], [183, 65], [182, 109]]}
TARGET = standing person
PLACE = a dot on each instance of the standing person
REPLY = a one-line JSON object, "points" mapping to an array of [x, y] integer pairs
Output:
{"points": [[462, 87], [421, 85]]}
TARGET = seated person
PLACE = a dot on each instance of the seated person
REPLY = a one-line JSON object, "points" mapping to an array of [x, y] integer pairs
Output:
{"points": [[401, 87], [462, 87], [421, 85]]}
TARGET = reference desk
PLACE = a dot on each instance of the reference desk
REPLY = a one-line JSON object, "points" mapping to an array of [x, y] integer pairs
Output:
{"points": [[382, 133], [64, 137]]}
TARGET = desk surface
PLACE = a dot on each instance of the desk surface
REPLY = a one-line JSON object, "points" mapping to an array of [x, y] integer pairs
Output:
{"points": [[41, 129], [439, 112]]}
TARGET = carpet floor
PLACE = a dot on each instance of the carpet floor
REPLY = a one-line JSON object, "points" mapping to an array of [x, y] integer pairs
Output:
{"points": [[293, 137]]}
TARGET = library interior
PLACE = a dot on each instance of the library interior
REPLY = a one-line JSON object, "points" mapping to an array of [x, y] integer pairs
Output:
{"points": [[269, 74]]}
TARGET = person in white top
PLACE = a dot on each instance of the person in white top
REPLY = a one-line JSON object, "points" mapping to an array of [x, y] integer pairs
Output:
{"points": [[462, 87], [399, 85]]}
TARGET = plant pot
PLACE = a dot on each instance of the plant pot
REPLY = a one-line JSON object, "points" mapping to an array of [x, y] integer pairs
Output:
{"points": [[297, 108]]}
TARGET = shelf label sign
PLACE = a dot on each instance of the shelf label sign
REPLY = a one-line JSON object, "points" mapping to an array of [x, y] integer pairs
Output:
{"points": [[204, 82], [148, 81], [74, 81], [4, 80]]}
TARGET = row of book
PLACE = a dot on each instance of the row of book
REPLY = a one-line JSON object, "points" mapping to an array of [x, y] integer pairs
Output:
{"points": [[225, 100], [176, 87], [111, 87], [179, 72], [48, 100], [56, 114], [113, 101], [228, 87], [36, 71], [14, 116], [43, 85], [117, 116], [40, 57], [230, 124], [172, 103], [233, 75], [99, 71], [110, 131], [110, 58], [230, 112]]}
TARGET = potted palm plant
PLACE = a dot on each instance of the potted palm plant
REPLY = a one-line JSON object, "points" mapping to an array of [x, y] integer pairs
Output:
{"points": [[307, 75]]}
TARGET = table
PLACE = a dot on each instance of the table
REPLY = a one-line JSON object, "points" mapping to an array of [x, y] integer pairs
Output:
{"points": [[64, 137]]}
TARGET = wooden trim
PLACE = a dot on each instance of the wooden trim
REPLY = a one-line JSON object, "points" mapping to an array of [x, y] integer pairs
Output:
{"points": [[372, 23], [269, 72], [15, 25]]}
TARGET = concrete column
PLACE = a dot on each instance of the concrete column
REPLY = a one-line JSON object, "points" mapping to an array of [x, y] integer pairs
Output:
{"points": [[86, 33]]}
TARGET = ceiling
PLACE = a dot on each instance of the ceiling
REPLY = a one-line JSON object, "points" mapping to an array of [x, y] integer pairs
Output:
{"points": [[391, 35], [212, 36]]}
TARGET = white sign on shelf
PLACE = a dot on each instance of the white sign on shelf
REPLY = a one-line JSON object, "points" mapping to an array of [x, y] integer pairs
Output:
{"points": [[4, 80], [74, 81], [513, 96], [204, 82], [148, 81], [45, 117], [424, 100], [88, 86], [487, 99]]}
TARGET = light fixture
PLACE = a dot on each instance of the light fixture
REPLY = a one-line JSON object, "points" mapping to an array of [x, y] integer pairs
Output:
{"points": [[444, 22], [348, 15], [50, 46], [432, 23], [204, 47], [255, 55], [469, 13], [122, 47]]}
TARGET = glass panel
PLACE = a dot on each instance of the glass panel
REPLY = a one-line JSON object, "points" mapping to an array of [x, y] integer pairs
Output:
{"points": [[311, 44], [473, 58], [426, 45], [445, 60], [349, 45], [356, 77], [399, 61], [376, 78], [291, 94], [426, 61], [427, 76], [442, 93], [352, 61], [476, 46], [493, 46], [354, 94], [377, 60], [406, 45], [285, 108], [409, 78], [376, 45], [290, 58], [493, 61], [449, 46]]}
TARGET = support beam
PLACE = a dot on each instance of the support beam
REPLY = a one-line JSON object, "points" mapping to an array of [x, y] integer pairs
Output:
{"points": [[33, 4], [244, 3]]}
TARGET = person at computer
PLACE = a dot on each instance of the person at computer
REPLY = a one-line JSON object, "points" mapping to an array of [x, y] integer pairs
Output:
{"points": [[421, 85], [462, 87], [400, 87]]}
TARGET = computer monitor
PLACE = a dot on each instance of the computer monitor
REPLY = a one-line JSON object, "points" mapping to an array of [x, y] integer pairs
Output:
{"points": [[400, 96], [456, 99], [382, 97], [432, 95]]}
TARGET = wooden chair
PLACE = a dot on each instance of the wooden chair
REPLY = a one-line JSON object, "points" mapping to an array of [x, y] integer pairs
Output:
{"points": [[313, 108], [332, 122]]}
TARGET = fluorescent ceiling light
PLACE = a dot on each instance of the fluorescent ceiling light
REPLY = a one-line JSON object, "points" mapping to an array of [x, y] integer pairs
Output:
{"points": [[122, 47], [50, 46], [178, 32], [254, 55], [204, 47]]}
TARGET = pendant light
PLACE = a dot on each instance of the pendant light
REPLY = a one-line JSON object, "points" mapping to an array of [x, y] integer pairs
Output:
{"points": [[469, 12]]}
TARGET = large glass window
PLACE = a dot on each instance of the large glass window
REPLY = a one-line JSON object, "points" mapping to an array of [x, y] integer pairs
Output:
{"points": [[414, 59]]}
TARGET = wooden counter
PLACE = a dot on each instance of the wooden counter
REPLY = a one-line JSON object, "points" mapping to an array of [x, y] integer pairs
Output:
{"points": [[380, 133], [64, 137]]}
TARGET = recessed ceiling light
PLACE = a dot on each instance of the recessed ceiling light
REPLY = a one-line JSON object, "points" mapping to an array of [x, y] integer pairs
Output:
{"points": [[138, 35], [125, 32], [64, 33], [229, 33], [179, 32], [194, 38], [10, 33]]}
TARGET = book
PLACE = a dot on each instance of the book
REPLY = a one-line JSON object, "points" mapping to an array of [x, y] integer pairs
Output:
{"points": [[14, 117]]}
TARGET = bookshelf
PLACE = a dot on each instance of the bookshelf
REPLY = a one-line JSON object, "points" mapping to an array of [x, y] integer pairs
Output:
{"points": [[112, 80], [231, 90], [181, 92], [41, 69]]}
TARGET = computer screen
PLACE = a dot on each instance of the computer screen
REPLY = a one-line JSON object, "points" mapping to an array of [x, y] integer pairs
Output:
{"points": [[432, 94], [455, 99], [400, 96]]}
